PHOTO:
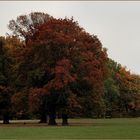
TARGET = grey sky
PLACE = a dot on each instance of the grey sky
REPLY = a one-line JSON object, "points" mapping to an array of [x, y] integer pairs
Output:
{"points": [[116, 23]]}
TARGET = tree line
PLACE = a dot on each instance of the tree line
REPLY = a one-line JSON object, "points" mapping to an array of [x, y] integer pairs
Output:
{"points": [[53, 68]]}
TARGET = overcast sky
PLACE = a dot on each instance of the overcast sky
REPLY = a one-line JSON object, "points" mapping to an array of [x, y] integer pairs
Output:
{"points": [[116, 23]]}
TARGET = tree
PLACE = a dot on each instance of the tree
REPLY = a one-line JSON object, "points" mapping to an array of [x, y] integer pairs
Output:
{"points": [[5, 81], [58, 56], [121, 91], [135, 103], [5, 103], [112, 90], [129, 89]]}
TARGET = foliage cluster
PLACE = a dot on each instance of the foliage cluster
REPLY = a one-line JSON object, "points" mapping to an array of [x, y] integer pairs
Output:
{"points": [[53, 67]]}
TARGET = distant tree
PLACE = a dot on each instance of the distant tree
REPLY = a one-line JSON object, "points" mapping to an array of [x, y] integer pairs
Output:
{"points": [[128, 89], [134, 105], [112, 90]]}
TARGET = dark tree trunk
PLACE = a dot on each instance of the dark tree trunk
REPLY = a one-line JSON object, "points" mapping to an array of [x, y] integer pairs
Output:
{"points": [[134, 113], [52, 120], [43, 118], [64, 119], [6, 119], [52, 116]]}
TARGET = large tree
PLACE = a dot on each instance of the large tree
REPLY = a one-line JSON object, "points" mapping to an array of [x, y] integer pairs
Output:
{"points": [[58, 58]]}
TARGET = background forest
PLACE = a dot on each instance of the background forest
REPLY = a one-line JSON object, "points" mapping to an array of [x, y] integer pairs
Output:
{"points": [[53, 67]]}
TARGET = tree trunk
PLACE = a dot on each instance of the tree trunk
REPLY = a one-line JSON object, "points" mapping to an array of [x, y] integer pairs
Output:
{"points": [[52, 120], [64, 119], [43, 118], [5, 119], [134, 113], [52, 116]]}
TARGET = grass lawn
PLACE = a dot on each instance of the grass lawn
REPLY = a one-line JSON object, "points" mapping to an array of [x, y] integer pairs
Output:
{"points": [[79, 129]]}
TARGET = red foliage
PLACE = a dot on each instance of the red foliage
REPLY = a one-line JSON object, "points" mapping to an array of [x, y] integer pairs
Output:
{"points": [[36, 98], [63, 75], [65, 53]]}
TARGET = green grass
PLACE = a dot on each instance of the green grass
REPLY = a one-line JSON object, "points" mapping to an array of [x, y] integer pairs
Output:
{"points": [[79, 129]]}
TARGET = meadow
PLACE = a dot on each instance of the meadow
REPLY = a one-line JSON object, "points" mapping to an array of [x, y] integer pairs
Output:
{"points": [[84, 129]]}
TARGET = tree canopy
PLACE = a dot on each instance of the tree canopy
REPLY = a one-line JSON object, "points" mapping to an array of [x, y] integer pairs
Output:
{"points": [[53, 67], [57, 58]]}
